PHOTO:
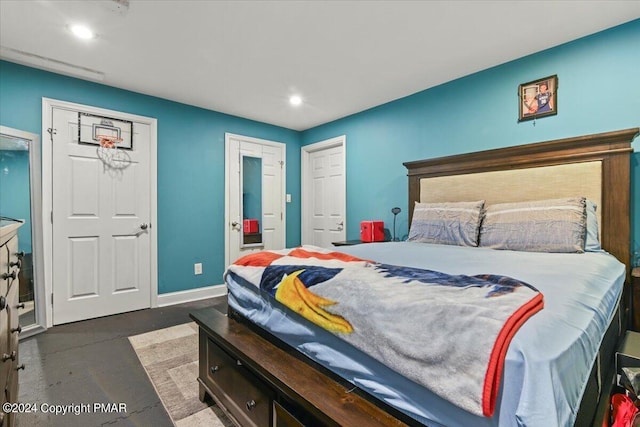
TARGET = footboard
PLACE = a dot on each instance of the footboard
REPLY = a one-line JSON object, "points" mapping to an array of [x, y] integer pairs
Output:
{"points": [[258, 384]]}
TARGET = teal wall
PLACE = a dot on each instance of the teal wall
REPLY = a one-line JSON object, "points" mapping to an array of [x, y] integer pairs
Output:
{"points": [[14, 193], [190, 165], [599, 91]]}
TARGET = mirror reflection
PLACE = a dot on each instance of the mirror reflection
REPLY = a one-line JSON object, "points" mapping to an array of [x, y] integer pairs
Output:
{"points": [[15, 205], [251, 201]]}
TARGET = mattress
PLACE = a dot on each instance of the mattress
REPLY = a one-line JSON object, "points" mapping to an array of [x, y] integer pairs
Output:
{"points": [[547, 363]]}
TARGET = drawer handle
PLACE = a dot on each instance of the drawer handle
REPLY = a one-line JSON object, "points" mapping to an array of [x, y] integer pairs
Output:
{"points": [[215, 369], [11, 356], [18, 329], [251, 404], [20, 367], [21, 305], [11, 275]]}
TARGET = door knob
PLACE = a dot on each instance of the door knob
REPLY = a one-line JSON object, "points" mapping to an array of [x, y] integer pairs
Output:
{"points": [[144, 226], [235, 225]]}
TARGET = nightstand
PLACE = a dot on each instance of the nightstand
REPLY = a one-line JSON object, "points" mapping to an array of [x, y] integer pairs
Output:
{"points": [[635, 301]]}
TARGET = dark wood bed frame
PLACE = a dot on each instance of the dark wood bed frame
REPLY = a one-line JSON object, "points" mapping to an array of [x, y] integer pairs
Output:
{"points": [[250, 356]]}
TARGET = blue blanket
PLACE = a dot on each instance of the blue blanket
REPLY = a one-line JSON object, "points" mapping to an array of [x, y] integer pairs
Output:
{"points": [[447, 333]]}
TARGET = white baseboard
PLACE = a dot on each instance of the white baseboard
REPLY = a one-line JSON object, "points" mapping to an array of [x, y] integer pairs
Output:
{"points": [[180, 297]]}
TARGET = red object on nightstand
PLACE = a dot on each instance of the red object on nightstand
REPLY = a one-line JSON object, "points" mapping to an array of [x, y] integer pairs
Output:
{"points": [[372, 231], [250, 226]]}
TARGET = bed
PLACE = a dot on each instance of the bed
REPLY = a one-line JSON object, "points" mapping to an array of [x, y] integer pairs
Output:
{"points": [[558, 364]]}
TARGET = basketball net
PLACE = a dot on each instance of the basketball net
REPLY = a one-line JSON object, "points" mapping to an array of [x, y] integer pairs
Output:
{"points": [[112, 157]]}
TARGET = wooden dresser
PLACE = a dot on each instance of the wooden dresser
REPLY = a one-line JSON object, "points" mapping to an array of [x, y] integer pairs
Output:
{"points": [[257, 383], [10, 261]]}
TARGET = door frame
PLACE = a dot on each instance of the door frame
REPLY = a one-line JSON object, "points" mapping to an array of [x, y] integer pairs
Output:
{"points": [[48, 105], [305, 181], [227, 220]]}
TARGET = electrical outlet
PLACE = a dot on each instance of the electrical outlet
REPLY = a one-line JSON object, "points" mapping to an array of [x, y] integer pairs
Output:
{"points": [[197, 268]]}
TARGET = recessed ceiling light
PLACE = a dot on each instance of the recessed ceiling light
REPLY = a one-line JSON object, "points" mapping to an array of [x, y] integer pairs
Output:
{"points": [[295, 100], [82, 32]]}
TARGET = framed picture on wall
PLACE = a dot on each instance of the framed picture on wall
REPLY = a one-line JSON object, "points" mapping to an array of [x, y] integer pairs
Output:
{"points": [[538, 98]]}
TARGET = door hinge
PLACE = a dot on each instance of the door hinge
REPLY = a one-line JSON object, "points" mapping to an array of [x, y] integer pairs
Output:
{"points": [[51, 298], [281, 216], [51, 217], [281, 164]]}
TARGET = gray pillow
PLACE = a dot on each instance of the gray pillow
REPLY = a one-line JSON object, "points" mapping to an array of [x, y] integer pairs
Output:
{"points": [[555, 225], [451, 223]]}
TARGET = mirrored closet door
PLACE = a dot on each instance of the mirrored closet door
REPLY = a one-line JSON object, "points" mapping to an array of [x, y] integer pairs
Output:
{"points": [[21, 202]]}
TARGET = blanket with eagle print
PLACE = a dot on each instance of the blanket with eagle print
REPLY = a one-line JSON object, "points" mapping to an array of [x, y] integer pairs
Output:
{"points": [[449, 333]]}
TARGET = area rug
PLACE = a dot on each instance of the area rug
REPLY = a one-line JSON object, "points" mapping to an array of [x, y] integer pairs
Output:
{"points": [[170, 358]]}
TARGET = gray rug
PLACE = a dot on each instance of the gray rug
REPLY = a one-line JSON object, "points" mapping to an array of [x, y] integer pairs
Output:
{"points": [[170, 358]]}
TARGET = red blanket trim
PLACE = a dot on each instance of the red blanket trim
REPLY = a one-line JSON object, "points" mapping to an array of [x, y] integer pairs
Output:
{"points": [[265, 258], [302, 253], [496, 361], [258, 259]]}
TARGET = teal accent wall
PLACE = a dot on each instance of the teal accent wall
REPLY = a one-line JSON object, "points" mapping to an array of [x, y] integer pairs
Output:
{"points": [[599, 91], [190, 165], [15, 200]]}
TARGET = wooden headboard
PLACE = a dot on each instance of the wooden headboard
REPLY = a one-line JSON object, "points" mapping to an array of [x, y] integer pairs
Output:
{"points": [[606, 154]]}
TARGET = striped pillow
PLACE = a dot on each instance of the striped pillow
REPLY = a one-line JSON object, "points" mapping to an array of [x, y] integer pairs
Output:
{"points": [[455, 223], [556, 225]]}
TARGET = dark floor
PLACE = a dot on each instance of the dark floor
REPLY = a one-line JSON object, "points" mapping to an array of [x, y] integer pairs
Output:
{"points": [[92, 362]]}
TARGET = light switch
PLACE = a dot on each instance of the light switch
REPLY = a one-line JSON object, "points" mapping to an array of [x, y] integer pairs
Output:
{"points": [[197, 268], [288, 198]]}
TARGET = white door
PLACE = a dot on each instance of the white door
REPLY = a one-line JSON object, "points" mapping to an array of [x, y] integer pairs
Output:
{"points": [[101, 214], [255, 189], [324, 192]]}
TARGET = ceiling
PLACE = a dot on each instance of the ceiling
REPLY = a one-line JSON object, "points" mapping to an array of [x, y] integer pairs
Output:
{"points": [[247, 58]]}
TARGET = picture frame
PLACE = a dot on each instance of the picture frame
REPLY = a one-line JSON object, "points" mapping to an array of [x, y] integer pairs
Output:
{"points": [[538, 98], [91, 126]]}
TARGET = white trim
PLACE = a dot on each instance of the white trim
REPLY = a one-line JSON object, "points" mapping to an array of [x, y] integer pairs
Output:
{"points": [[305, 182], [227, 221], [190, 295], [48, 105]]}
